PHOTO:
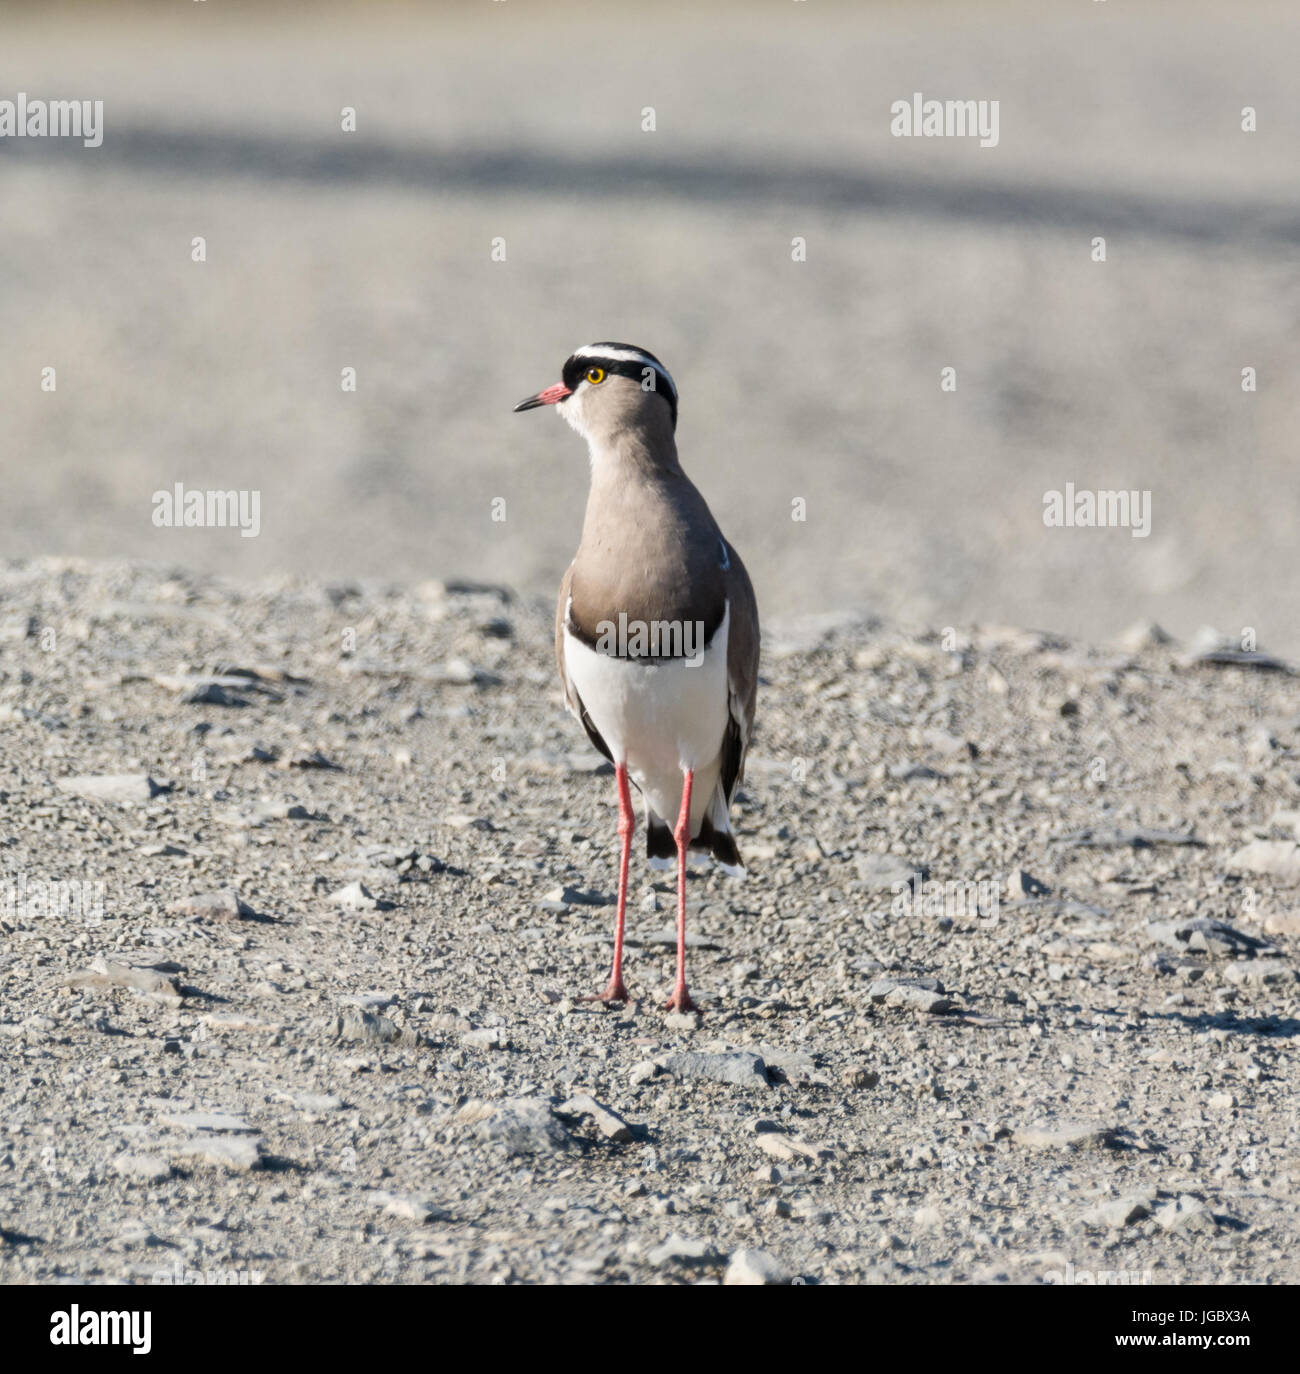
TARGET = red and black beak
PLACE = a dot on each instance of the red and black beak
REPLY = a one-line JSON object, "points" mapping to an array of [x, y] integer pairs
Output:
{"points": [[553, 395]]}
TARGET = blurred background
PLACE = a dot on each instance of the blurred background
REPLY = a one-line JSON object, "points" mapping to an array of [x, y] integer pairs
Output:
{"points": [[522, 120]]}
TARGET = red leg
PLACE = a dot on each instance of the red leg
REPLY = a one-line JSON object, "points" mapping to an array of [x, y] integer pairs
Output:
{"points": [[681, 999], [616, 991]]}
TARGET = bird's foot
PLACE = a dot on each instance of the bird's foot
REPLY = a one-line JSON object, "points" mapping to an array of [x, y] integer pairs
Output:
{"points": [[615, 992], [681, 1001]]}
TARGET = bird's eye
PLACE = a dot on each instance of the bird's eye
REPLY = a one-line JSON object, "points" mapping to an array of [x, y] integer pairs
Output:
{"points": [[595, 375]]}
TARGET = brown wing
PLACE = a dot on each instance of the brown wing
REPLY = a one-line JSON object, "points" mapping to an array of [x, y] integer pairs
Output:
{"points": [[742, 672], [571, 699]]}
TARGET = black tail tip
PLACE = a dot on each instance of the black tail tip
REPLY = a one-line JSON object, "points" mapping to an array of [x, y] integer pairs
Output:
{"points": [[659, 842], [721, 844], [723, 848]]}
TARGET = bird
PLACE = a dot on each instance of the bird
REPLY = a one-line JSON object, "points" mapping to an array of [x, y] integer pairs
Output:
{"points": [[656, 628]]}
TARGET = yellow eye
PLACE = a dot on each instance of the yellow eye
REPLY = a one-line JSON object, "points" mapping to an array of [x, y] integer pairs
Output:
{"points": [[595, 375]]}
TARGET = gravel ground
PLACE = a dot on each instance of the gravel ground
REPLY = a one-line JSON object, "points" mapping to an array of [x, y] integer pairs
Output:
{"points": [[357, 865]]}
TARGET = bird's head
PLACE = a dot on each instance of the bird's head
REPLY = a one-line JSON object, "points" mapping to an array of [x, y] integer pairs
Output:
{"points": [[606, 388]]}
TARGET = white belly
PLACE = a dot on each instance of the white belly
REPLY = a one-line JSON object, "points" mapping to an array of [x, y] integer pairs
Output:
{"points": [[658, 718]]}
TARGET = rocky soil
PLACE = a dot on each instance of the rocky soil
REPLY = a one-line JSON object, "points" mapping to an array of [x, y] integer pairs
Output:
{"points": [[1008, 996]]}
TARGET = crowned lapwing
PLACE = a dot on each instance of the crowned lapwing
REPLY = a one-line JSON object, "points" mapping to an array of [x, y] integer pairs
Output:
{"points": [[656, 630]]}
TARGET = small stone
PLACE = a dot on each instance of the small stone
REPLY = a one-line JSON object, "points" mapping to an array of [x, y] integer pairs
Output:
{"points": [[1277, 858], [1143, 635], [524, 1125], [317, 1103], [928, 1219], [106, 973], [683, 1020], [1064, 1137], [948, 745], [355, 897], [204, 1121], [795, 1067], [407, 1208], [356, 1024], [738, 1067], [608, 1122], [677, 1250], [235, 1153], [888, 871], [915, 994], [1118, 1213], [788, 1147], [117, 787], [754, 1269], [1207, 935], [221, 1022], [1022, 884], [1259, 973], [145, 1168], [1186, 1213], [223, 905]]}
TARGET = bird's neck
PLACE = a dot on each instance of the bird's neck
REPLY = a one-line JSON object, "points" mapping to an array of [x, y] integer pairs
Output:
{"points": [[632, 457]]}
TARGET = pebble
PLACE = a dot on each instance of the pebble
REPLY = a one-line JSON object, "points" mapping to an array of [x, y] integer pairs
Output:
{"points": [[738, 1067], [236, 1153], [356, 1024], [885, 871], [223, 905], [204, 1121], [754, 1269], [788, 1147], [407, 1208], [1070, 1136], [1208, 935], [1259, 973], [1118, 1213], [1186, 1213], [796, 1067], [145, 1168], [355, 897], [688, 1253], [106, 973], [221, 1022], [317, 1103], [607, 1121], [914, 994], [116, 787], [524, 1126]]}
